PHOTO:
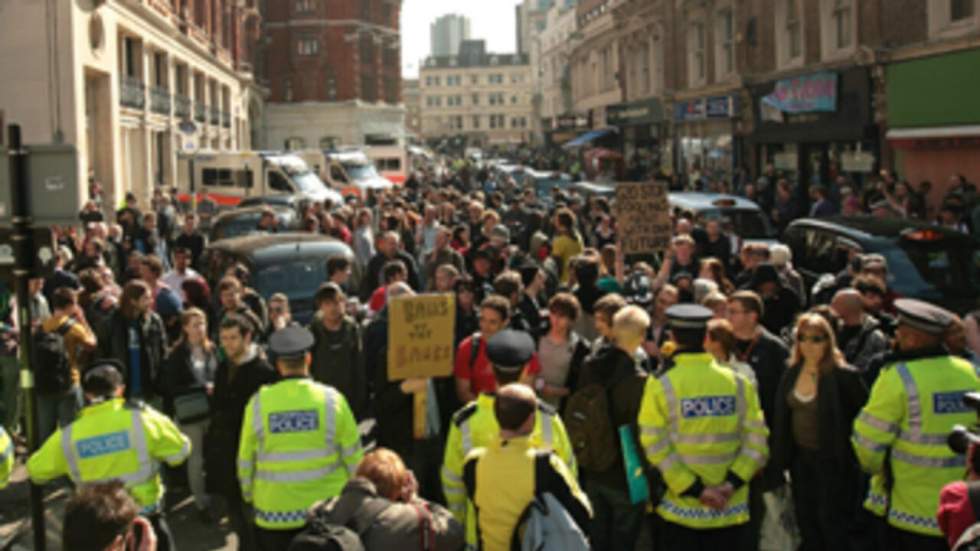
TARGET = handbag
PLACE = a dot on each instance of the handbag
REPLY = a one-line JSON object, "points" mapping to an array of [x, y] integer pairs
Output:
{"points": [[636, 479], [191, 407]]}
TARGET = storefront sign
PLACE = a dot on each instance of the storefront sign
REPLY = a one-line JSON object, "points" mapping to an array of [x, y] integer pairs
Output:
{"points": [[640, 112], [643, 217], [785, 161], [806, 94], [857, 161], [420, 340], [716, 107]]}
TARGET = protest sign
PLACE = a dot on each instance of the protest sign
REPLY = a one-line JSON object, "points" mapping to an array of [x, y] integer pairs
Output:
{"points": [[643, 217], [420, 336]]}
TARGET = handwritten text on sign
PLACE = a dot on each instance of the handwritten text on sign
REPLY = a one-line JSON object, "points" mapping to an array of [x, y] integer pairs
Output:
{"points": [[643, 217], [420, 336]]}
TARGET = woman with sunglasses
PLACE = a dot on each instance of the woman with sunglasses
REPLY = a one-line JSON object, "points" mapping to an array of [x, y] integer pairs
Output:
{"points": [[817, 400]]}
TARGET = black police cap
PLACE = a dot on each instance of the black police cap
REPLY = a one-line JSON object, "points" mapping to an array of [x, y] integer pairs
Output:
{"points": [[291, 342], [923, 316], [688, 316], [510, 350]]}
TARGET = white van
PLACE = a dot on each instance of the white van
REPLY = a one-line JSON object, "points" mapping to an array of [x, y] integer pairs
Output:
{"points": [[348, 171], [391, 161], [228, 177]]}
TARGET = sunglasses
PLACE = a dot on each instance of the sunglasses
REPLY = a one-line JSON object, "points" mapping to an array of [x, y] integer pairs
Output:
{"points": [[816, 339]]}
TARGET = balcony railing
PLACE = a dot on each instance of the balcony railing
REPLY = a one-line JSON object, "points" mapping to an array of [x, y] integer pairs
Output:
{"points": [[226, 119], [200, 112], [215, 115], [160, 100], [132, 93], [182, 106]]}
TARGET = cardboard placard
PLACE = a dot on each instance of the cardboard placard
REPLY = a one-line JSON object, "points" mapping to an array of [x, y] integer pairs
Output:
{"points": [[643, 217], [420, 336]]}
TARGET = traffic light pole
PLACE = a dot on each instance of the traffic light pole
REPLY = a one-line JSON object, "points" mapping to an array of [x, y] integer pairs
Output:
{"points": [[23, 241]]}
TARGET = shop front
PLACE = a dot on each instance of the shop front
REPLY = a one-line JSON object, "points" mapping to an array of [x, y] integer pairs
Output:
{"points": [[564, 128], [641, 125], [705, 138], [813, 128], [934, 119]]}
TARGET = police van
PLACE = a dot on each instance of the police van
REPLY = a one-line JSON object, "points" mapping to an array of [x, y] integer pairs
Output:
{"points": [[347, 170], [229, 177]]}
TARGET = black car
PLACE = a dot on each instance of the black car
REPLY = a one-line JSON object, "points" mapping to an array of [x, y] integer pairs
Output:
{"points": [[245, 220], [294, 202], [924, 261], [290, 263]]}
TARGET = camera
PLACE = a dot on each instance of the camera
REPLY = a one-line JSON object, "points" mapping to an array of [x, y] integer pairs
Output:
{"points": [[961, 437]]}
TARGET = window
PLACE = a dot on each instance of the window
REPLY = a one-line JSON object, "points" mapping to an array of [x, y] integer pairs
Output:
{"points": [[842, 23], [794, 28], [304, 6], [369, 88], [476, 99], [474, 79], [293, 144], [726, 43], [456, 122], [476, 122], [513, 100], [308, 45], [367, 48], [697, 62], [960, 10]]}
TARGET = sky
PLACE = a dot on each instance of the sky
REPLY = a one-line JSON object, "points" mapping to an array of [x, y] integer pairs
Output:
{"points": [[490, 20]]}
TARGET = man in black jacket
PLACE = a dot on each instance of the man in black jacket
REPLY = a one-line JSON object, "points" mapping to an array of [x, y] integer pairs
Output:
{"points": [[239, 376], [135, 336], [388, 249], [766, 355], [616, 519], [337, 354]]}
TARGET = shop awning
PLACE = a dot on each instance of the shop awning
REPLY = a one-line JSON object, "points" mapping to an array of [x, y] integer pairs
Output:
{"points": [[968, 131], [589, 137]]}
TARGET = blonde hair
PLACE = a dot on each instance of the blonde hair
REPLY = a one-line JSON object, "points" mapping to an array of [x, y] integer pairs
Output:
{"points": [[386, 470], [187, 316], [630, 321], [832, 358]]}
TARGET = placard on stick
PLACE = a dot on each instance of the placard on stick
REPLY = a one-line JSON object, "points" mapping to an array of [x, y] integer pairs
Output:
{"points": [[643, 217], [420, 336]]}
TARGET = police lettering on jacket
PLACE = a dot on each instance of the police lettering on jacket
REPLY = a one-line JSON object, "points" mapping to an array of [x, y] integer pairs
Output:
{"points": [[949, 402], [708, 406], [103, 444], [294, 421]]}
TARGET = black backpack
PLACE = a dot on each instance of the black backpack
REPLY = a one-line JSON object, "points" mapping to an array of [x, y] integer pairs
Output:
{"points": [[320, 534], [52, 372]]}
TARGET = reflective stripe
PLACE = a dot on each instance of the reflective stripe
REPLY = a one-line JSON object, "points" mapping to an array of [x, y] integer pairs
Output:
{"points": [[451, 476], [876, 423], [756, 425], [330, 404], [453, 490], [69, 452], [755, 455], [467, 438], [658, 447], [666, 463], [868, 443], [180, 456], [757, 440], [929, 439], [285, 457], [353, 449], [671, 397], [296, 476], [710, 459], [652, 431], [924, 461], [915, 408], [547, 429], [740, 401], [146, 467], [245, 465], [706, 438], [257, 421]]}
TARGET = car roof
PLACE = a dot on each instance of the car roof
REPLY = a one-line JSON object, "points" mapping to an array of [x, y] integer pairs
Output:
{"points": [[869, 227], [278, 199], [697, 201], [253, 210], [268, 248]]}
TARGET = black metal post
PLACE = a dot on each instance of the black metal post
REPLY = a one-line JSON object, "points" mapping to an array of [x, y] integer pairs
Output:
{"points": [[23, 240]]}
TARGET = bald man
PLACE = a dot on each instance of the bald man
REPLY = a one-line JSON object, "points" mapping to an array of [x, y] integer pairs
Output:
{"points": [[860, 336]]}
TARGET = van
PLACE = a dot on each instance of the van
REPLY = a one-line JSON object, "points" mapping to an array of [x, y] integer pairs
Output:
{"points": [[348, 171], [228, 177], [391, 161]]}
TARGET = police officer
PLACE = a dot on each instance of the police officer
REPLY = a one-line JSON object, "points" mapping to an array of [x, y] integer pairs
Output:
{"points": [[503, 478], [6, 457], [900, 435], [702, 427], [115, 439], [475, 426], [299, 445]]}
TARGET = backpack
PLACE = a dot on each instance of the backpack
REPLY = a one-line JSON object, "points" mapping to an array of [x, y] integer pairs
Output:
{"points": [[589, 425], [52, 372], [546, 526], [320, 534], [474, 349]]}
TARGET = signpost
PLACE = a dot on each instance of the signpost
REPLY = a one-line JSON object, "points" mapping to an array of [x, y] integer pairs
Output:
{"points": [[643, 217], [420, 345]]}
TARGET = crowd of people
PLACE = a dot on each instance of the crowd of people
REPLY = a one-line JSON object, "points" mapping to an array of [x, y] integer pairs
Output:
{"points": [[688, 399]]}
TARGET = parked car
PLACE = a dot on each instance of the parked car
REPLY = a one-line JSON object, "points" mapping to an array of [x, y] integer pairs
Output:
{"points": [[245, 221], [924, 261], [290, 263], [294, 202], [747, 220]]}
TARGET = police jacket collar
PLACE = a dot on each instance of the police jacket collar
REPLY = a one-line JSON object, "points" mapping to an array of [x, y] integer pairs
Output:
{"points": [[912, 355], [99, 407], [694, 356]]}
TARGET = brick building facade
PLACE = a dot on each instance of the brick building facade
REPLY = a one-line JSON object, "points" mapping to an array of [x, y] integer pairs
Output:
{"points": [[334, 72]]}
